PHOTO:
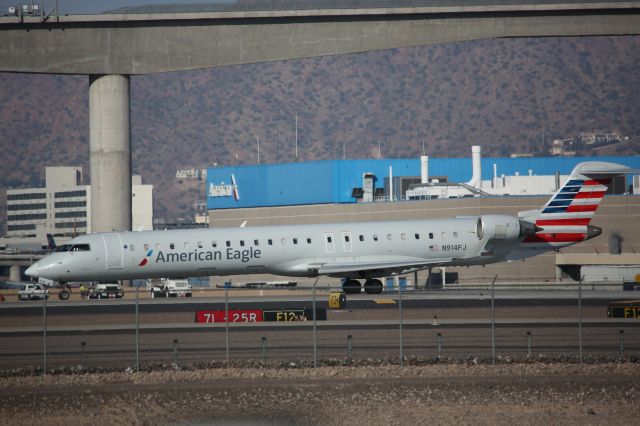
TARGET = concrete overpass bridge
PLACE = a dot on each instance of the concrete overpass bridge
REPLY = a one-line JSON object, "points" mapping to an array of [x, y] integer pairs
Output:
{"points": [[111, 47], [18, 263]]}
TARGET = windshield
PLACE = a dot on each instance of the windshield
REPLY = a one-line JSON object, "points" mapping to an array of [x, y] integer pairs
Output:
{"points": [[73, 247]]}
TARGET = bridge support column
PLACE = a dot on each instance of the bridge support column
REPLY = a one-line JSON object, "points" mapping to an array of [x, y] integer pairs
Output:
{"points": [[14, 273], [110, 152]]}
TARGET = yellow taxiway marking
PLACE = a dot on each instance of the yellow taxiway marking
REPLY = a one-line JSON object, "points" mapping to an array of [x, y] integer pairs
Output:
{"points": [[385, 301]]}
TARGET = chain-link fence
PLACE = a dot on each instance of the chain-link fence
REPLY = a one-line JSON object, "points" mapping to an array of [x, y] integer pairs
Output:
{"points": [[273, 326]]}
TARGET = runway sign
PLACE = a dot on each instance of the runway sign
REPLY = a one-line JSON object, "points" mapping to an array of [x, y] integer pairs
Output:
{"points": [[235, 315], [628, 309]]}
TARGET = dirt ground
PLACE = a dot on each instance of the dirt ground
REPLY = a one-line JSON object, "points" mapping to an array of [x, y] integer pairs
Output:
{"points": [[526, 394]]}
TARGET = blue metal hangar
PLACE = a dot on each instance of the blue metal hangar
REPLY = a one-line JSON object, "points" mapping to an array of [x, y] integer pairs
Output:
{"points": [[422, 188], [346, 181]]}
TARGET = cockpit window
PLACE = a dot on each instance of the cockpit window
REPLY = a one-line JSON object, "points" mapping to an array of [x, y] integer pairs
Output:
{"points": [[73, 247]]}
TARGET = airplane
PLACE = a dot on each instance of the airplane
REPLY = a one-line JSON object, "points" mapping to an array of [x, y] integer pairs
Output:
{"points": [[351, 251]]}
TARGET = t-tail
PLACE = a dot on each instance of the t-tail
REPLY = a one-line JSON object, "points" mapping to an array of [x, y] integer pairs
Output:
{"points": [[51, 243], [565, 218]]}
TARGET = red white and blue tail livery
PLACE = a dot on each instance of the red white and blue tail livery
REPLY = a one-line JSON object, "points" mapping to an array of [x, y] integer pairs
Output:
{"points": [[565, 218]]}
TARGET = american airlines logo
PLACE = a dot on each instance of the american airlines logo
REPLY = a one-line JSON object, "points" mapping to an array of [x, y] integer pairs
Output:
{"points": [[223, 190], [145, 260]]}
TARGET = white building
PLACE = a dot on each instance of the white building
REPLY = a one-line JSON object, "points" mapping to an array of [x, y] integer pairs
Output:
{"points": [[476, 187], [63, 208]]}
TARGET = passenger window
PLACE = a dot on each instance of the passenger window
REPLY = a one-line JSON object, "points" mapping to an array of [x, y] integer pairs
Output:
{"points": [[295, 241], [361, 237], [346, 238], [199, 244], [375, 237], [403, 236], [172, 246], [241, 243], [256, 242], [214, 244], [308, 240], [431, 235], [389, 237], [228, 243], [417, 236], [270, 241], [329, 239], [455, 234], [283, 241]]}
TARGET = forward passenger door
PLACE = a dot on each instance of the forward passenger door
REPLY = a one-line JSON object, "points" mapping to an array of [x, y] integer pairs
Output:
{"points": [[113, 250]]}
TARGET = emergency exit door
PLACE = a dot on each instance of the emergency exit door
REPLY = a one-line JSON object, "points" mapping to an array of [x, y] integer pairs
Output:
{"points": [[113, 250]]}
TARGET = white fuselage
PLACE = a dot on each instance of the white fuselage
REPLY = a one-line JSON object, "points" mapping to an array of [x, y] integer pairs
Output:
{"points": [[355, 250]]}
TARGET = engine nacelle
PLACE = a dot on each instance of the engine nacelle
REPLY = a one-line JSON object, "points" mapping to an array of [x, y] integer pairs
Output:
{"points": [[504, 227]]}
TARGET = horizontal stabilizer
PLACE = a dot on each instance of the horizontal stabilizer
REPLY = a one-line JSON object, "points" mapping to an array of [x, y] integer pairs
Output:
{"points": [[600, 168]]}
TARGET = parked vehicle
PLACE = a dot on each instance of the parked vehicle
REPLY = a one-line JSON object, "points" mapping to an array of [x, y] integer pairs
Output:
{"points": [[106, 291], [33, 291], [169, 288]]}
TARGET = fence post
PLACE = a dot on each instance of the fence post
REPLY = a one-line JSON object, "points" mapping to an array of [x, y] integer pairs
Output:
{"points": [[175, 351], [528, 344], [349, 349], [621, 342], [264, 349], [400, 327], [137, 329], [315, 330], [44, 334], [493, 321], [580, 317], [439, 336], [82, 347], [226, 321]]}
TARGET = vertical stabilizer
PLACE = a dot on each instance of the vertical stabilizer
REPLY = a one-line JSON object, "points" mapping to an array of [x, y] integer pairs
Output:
{"points": [[566, 216]]}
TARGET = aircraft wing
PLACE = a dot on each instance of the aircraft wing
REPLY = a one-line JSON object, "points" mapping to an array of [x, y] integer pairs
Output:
{"points": [[378, 268]]}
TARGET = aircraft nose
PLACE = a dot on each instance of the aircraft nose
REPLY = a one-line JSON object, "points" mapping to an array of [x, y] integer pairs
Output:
{"points": [[32, 270]]}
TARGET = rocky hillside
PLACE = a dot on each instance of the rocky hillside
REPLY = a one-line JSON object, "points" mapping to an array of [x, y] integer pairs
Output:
{"points": [[508, 95]]}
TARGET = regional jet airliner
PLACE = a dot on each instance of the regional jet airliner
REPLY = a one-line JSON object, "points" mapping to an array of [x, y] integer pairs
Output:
{"points": [[360, 251]]}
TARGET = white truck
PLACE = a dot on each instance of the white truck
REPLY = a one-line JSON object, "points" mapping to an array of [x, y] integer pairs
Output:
{"points": [[166, 287], [33, 291]]}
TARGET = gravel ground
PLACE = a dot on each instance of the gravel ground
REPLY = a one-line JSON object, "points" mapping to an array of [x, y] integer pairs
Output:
{"points": [[526, 393]]}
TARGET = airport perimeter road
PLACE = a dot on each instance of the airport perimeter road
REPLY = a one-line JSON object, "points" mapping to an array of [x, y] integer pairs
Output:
{"points": [[103, 333]]}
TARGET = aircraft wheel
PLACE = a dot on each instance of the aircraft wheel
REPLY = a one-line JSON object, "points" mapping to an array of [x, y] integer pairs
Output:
{"points": [[373, 287], [352, 287], [63, 295]]}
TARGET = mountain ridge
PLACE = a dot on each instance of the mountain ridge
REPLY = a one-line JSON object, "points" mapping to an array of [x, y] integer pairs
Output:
{"points": [[507, 95]]}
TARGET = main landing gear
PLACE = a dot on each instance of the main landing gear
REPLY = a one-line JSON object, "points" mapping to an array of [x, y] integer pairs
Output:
{"points": [[354, 287]]}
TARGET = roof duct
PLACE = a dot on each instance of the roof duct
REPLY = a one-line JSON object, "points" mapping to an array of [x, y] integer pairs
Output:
{"points": [[476, 178], [424, 169]]}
